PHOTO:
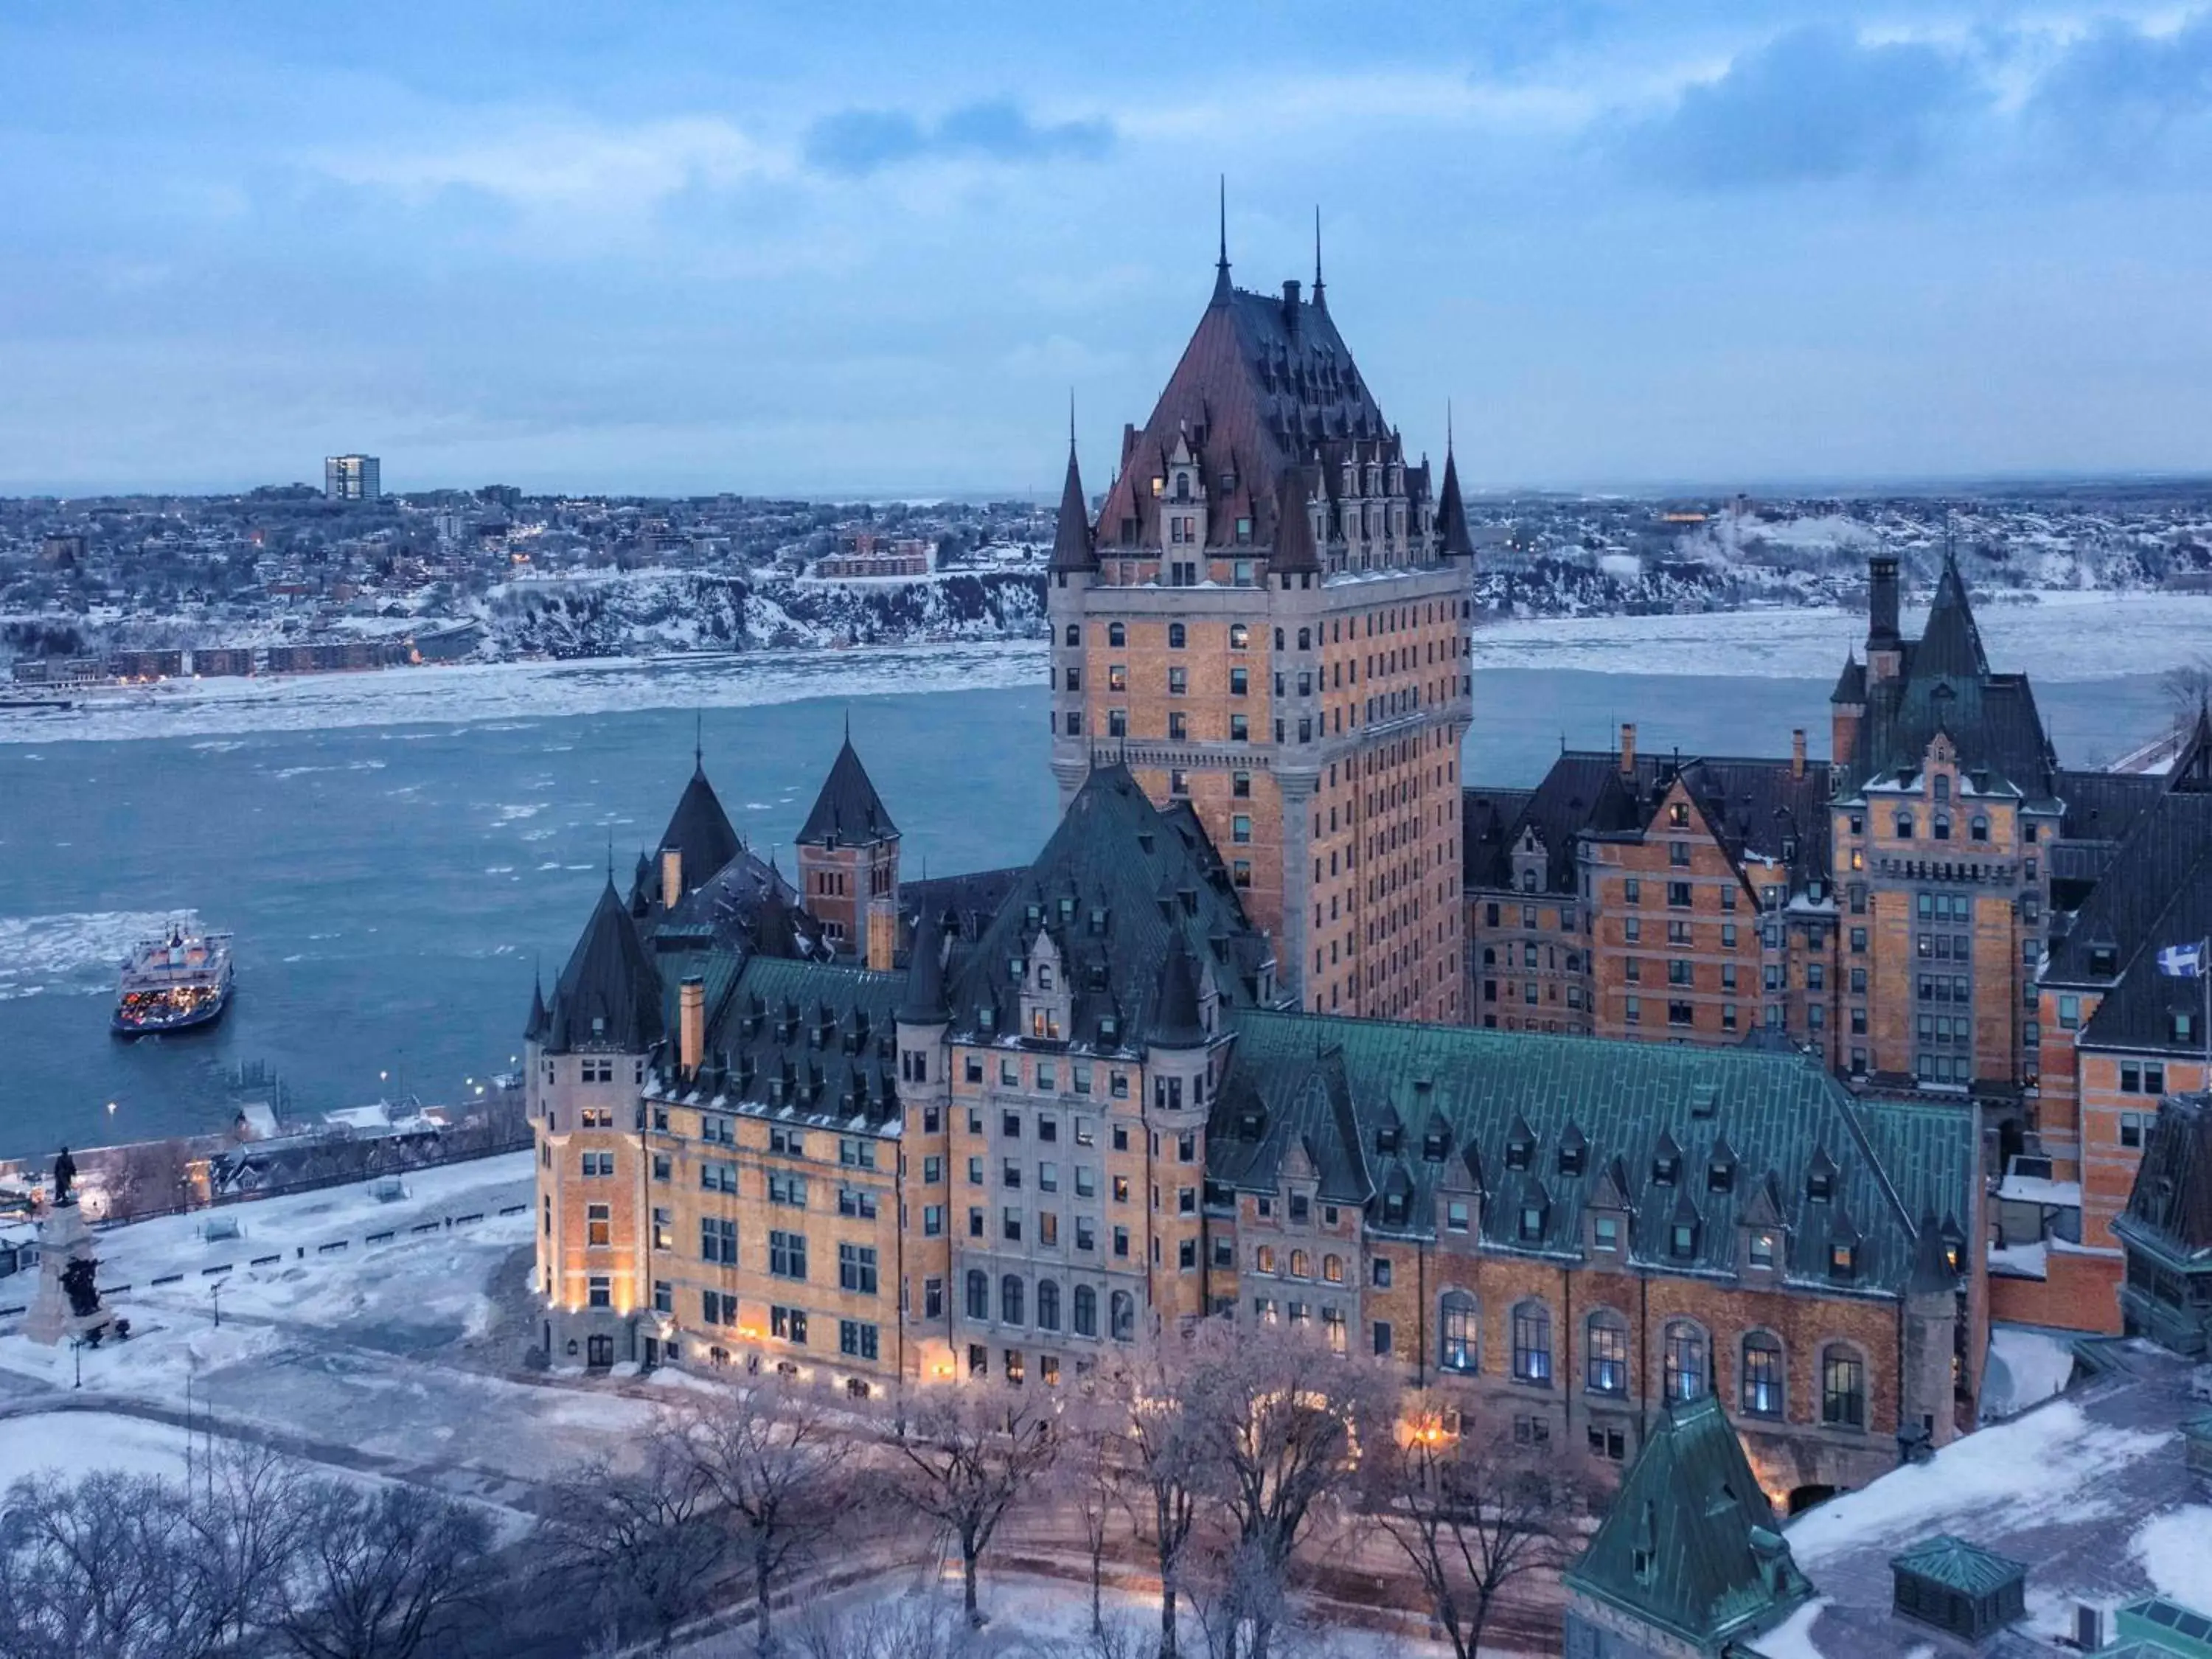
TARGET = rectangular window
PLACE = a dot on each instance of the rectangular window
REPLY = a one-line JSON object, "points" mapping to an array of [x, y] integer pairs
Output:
{"points": [[787, 1325], [857, 1340], [856, 1268], [786, 1254]]}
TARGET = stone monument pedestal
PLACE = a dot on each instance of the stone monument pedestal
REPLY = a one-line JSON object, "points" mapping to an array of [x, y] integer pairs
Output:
{"points": [[63, 1239]]}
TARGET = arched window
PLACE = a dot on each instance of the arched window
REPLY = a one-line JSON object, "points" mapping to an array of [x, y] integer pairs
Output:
{"points": [[1075, 633], [1305, 639], [1978, 827], [1010, 1299], [1176, 636], [979, 1294], [1117, 634], [1905, 826], [1843, 1387], [1605, 1365], [1301, 1265], [1086, 1311], [1048, 1317], [1332, 1269], [1460, 1329], [1263, 1259], [1532, 1343], [1942, 826], [1763, 1375], [1686, 1374], [1125, 1316], [1240, 636]]}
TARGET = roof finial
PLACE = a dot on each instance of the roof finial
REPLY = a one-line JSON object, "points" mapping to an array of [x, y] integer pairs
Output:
{"points": [[1071, 420], [611, 854], [699, 739], [848, 725], [1221, 265], [1318, 289], [1448, 428]]}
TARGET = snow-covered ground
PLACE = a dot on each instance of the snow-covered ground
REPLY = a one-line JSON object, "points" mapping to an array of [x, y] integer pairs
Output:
{"points": [[2026, 1366], [2063, 636], [385, 1357]]}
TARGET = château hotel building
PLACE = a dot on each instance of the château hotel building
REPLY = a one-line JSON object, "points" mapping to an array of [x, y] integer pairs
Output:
{"points": [[1210, 1053]]}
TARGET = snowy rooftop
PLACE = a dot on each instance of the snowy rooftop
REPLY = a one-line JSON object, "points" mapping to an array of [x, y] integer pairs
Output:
{"points": [[2090, 1490]]}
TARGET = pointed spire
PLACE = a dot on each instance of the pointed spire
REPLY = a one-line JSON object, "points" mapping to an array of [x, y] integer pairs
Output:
{"points": [[1457, 541], [1073, 547], [536, 1028], [699, 740], [1294, 537], [1321, 293], [1221, 265], [923, 1002]]}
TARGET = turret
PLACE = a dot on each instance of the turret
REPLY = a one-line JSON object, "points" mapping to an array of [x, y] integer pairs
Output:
{"points": [[1074, 563]]}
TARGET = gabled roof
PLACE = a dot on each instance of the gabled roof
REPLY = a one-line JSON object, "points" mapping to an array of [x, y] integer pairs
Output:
{"points": [[2170, 1206], [700, 831], [848, 812], [1119, 880], [1691, 1544], [608, 998], [1945, 685]]}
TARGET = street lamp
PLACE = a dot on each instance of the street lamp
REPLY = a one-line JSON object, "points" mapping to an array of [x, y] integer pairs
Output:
{"points": [[215, 1295]]}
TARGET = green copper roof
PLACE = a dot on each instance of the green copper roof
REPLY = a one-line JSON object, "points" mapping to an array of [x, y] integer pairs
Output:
{"points": [[1957, 1565], [1691, 1544], [2164, 1626], [1541, 1128]]}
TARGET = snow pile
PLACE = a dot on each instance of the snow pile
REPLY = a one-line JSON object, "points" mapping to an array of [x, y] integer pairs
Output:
{"points": [[2026, 1366]]}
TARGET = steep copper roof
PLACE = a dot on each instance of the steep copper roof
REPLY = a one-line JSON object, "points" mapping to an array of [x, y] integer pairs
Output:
{"points": [[1265, 382], [699, 830], [1451, 513], [1070, 537], [609, 995]]}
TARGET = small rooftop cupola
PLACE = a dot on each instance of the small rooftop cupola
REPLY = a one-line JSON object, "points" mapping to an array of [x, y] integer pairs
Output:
{"points": [[1072, 546], [1958, 1588], [608, 998]]}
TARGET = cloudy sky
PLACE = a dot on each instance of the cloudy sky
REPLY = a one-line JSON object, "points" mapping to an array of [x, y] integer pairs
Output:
{"points": [[873, 247]]}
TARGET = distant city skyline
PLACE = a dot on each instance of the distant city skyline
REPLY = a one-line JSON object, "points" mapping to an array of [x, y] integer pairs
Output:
{"points": [[1725, 244]]}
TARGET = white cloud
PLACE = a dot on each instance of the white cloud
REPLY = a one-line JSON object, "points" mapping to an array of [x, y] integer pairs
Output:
{"points": [[567, 166]]}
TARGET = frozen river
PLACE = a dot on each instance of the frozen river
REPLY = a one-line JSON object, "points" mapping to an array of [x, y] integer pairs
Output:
{"points": [[395, 851]]}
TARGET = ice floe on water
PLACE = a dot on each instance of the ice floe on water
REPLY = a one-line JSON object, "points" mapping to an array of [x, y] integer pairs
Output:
{"points": [[70, 954], [508, 696]]}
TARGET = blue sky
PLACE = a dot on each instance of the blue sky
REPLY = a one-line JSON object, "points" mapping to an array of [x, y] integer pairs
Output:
{"points": [[871, 247]]}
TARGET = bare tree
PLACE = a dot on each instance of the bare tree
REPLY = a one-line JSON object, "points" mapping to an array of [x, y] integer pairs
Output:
{"points": [[905, 1629], [244, 1535], [778, 1460], [1280, 1420], [145, 1178], [1089, 1475], [646, 1540], [1166, 1464], [1472, 1514], [379, 1574], [102, 1567], [965, 1457]]}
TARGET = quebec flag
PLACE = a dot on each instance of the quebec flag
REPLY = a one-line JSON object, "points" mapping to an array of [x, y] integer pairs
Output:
{"points": [[2182, 961]]}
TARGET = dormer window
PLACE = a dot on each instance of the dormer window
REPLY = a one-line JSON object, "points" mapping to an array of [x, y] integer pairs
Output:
{"points": [[1843, 1259], [1108, 1029], [1683, 1240], [1942, 786], [1761, 1248], [1432, 1146], [1386, 1140], [1394, 1209], [1718, 1177], [2103, 959], [1677, 815], [1516, 1154], [1044, 976], [1605, 1233], [1571, 1159], [1531, 1223], [1663, 1166], [1819, 1185]]}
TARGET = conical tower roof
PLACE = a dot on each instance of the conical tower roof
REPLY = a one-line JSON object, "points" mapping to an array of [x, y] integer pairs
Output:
{"points": [[1294, 538], [1175, 1019], [848, 812], [1457, 540], [608, 996], [1951, 644], [536, 1028], [700, 831], [923, 1001], [1072, 545]]}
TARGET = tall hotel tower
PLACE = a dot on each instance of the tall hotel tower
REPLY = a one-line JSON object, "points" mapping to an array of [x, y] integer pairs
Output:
{"points": [[1268, 621]]}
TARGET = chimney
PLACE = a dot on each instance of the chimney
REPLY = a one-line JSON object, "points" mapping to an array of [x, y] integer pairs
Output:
{"points": [[691, 1023], [672, 877], [1291, 303], [1881, 602], [1798, 752], [1628, 749], [883, 933]]}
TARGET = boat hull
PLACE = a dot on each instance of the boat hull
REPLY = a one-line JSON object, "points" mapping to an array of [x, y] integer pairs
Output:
{"points": [[195, 1019]]}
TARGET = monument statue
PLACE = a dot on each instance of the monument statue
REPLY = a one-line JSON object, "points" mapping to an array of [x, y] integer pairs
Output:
{"points": [[64, 1176], [76, 1282]]}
